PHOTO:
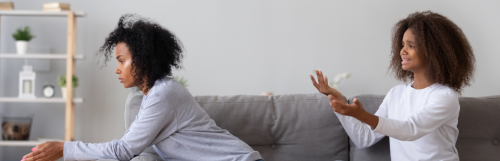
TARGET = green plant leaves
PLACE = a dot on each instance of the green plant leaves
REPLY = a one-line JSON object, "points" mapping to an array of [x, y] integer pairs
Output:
{"points": [[23, 34], [61, 80]]}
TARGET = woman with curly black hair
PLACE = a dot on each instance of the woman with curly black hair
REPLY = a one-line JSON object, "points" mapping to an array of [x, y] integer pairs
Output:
{"points": [[169, 119], [421, 116]]}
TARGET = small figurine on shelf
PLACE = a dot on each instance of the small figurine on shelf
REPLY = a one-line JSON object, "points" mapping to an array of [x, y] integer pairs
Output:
{"points": [[62, 82], [27, 83], [22, 36]]}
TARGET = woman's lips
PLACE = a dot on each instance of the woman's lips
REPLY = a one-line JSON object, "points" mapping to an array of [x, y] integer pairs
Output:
{"points": [[405, 61], [121, 80]]}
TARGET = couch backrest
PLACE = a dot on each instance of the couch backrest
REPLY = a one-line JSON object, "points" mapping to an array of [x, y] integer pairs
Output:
{"points": [[478, 125], [297, 127], [479, 128]]}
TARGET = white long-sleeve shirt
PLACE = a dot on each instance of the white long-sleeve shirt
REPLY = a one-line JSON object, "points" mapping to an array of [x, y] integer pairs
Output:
{"points": [[421, 123]]}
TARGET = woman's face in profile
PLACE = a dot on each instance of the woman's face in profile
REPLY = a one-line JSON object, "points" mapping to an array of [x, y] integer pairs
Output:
{"points": [[124, 67], [409, 56]]}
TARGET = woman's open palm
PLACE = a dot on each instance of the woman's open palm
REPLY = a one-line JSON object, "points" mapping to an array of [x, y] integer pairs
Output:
{"points": [[322, 84], [323, 87]]}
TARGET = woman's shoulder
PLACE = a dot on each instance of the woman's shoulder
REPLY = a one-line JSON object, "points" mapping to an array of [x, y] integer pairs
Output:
{"points": [[440, 90], [168, 88]]}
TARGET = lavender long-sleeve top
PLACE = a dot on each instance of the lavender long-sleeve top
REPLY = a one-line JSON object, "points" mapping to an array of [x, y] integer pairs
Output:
{"points": [[178, 128]]}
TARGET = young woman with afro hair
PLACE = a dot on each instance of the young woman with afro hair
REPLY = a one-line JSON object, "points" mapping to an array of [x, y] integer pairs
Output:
{"points": [[433, 56], [169, 119]]}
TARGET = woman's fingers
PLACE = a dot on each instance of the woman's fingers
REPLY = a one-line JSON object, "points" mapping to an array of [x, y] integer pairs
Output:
{"points": [[314, 81], [34, 152], [320, 77], [331, 97], [28, 157], [333, 106]]}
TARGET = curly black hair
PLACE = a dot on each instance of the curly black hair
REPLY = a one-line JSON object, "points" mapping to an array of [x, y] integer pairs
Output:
{"points": [[154, 49], [447, 54]]}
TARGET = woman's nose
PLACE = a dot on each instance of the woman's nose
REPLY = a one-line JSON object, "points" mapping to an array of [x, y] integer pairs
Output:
{"points": [[117, 71], [403, 51]]}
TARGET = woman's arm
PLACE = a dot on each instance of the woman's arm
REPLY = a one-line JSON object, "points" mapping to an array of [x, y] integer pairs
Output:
{"points": [[155, 116], [360, 133], [360, 126]]}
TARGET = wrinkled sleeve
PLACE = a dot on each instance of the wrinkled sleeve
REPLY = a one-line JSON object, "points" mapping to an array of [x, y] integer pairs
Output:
{"points": [[439, 109], [156, 115], [360, 133]]}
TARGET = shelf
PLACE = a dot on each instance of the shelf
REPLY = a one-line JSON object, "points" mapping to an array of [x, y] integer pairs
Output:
{"points": [[38, 56], [39, 100], [20, 143], [39, 13]]}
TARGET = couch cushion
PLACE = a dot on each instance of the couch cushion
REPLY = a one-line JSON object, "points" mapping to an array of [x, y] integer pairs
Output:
{"points": [[283, 127], [479, 128], [380, 151]]}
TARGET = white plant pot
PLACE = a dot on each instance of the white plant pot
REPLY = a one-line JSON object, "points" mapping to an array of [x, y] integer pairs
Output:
{"points": [[65, 92], [22, 47]]}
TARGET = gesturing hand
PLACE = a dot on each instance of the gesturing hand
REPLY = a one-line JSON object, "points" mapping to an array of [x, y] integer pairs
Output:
{"points": [[323, 87], [355, 109], [322, 84], [48, 151]]}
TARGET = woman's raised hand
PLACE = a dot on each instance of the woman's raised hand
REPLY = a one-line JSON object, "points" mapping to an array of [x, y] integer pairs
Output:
{"points": [[322, 84], [323, 87]]}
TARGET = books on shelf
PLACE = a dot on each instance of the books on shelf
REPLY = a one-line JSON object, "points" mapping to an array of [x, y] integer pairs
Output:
{"points": [[6, 5], [56, 6]]}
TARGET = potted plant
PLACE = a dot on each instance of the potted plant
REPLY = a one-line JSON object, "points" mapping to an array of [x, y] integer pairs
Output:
{"points": [[62, 82], [22, 36]]}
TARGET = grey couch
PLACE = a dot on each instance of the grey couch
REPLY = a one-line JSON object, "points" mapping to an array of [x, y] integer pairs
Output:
{"points": [[301, 127]]}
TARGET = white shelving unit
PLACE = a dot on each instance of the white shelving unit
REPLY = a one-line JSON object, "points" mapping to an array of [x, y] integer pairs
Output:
{"points": [[70, 58], [41, 13], [20, 143], [39, 100], [38, 56]]}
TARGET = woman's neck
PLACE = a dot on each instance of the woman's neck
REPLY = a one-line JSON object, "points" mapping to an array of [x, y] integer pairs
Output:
{"points": [[420, 81]]}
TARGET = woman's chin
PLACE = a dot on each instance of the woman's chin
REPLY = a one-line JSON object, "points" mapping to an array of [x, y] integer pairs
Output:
{"points": [[127, 86]]}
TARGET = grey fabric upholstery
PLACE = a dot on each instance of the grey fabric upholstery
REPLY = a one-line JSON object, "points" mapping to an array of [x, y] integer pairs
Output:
{"points": [[479, 128], [378, 152], [288, 127]]}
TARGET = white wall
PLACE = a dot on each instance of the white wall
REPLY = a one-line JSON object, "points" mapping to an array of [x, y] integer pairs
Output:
{"points": [[238, 47]]}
